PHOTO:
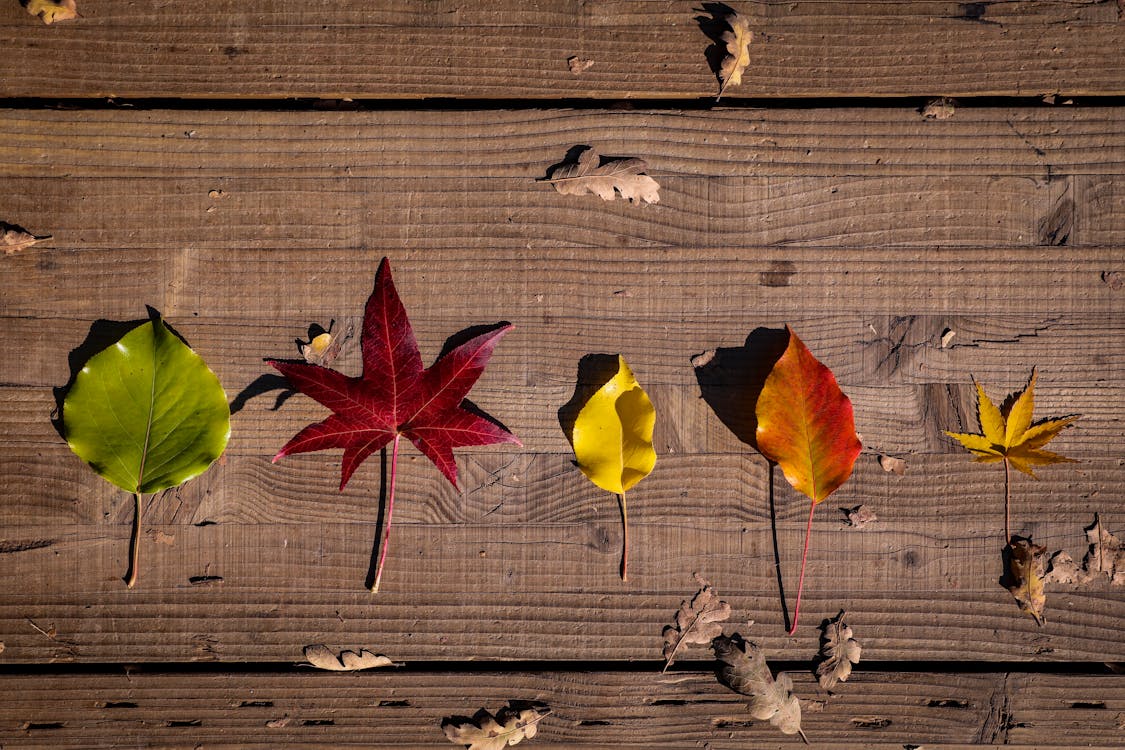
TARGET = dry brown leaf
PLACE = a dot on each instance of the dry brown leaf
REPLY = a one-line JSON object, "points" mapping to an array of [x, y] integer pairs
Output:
{"points": [[1113, 279], [1105, 554], [279, 723], [52, 10], [737, 56], [892, 465], [696, 621], [942, 108], [16, 239], [947, 337], [840, 652], [322, 657], [859, 516], [484, 731], [1025, 568], [578, 65], [743, 668], [1063, 569], [589, 175], [324, 348]]}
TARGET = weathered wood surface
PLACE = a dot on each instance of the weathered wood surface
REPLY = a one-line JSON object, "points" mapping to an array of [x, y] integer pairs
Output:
{"points": [[511, 49], [588, 709]]}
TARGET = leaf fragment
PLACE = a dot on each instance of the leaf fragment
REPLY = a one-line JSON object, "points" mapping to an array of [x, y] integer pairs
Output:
{"points": [[578, 65], [942, 108], [697, 621], [15, 239], [737, 55], [1007, 433], [510, 726], [52, 10], [322, 657], [1025, 568], [1105, 555], [839, 651], [589, 175], [324, 348], [743, 668]]}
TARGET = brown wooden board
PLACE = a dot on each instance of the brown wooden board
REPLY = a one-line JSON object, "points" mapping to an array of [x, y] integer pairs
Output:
{"points": [[404, 709], [403, 50]]}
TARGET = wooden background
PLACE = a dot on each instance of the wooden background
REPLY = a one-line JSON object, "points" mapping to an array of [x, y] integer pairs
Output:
{"points": [[243, 167]]}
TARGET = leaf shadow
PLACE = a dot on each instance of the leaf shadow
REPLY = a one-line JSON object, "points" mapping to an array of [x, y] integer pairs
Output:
{"points": [[102, 335], [713, 27], [571, 157], [730, 381], [373, 564], [594, 371]]}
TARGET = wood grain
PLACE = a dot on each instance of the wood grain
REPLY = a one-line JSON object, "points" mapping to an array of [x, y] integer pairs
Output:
{"points": [[222, 49], [832, 141], [403, 709]]}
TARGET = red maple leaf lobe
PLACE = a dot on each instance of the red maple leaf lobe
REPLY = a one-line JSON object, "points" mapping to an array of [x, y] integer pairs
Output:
{"points": [[395, 395]]}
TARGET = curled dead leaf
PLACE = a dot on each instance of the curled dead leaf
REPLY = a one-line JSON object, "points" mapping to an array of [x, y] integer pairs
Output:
{"points": [[941, 108], [892, 465], [15, 239], [737, 55], [578, 65], [589, 175], [52, 10], [839, 651], [743, 668], [1063, 569], [947, 337], [483, 731], [322, 657], [1105, 555], [697, 621], [859, 516], [324, 348], [1025, 571]]}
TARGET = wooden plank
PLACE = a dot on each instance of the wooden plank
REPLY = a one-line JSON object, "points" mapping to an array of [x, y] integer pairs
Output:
{"points": [[497, 587], [219, 48], [401, 709], [548, 284], [862, 350], [1040, 142]]}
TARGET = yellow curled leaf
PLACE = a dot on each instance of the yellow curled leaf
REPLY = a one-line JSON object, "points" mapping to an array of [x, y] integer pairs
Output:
{"points": [[612, 434]]}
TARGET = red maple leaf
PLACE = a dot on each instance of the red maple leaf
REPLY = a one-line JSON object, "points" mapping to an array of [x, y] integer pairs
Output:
{"points": [[396, 397]]}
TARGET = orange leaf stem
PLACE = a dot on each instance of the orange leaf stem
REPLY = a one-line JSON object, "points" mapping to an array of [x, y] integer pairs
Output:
{"points": [[801, 580], [390, 510]]}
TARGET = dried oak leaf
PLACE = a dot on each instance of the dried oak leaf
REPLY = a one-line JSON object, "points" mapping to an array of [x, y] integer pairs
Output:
{"points": [[737, 56], [697, 621], [1063, 569], [1025, 567], [892, 465], [52, 10], [1105, 554], [16, 239], [578, 65], [859, 516], [589, 175], [743, 668], [941, 108], [322, 657], [487, 732], [840, 652]]}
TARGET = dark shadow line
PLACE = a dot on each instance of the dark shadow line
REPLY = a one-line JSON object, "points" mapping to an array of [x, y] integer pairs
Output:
{"points": [[384, 479], [777, 551]]}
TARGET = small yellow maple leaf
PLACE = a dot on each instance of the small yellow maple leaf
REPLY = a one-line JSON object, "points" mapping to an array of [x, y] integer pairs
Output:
{"points": [[1007, 432], [52, 10]]}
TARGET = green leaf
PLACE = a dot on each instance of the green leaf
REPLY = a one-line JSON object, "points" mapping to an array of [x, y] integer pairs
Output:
{"points": [[146, 413]]}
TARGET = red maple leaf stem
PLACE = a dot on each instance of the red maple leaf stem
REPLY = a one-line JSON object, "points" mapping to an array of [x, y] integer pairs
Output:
{"points": [[624, 539], [390, 510], [801, 580]]}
